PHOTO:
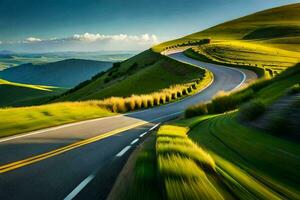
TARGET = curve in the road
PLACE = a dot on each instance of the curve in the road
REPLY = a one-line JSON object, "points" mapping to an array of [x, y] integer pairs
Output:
{"points": [[57, 176]]}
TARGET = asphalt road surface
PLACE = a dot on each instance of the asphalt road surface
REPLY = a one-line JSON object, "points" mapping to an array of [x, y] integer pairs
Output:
{"points": [[82, 160]]}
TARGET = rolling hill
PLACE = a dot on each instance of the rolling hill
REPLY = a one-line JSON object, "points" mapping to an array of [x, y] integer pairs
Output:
{"points": [[278, 27], [140, 74], [65, 73]]}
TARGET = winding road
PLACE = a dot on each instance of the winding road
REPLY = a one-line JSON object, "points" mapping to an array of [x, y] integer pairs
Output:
{"points": [[82, 160]]}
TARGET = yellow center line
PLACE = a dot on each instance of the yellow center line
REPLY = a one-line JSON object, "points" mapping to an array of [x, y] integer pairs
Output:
{"points": [[30, 160]]}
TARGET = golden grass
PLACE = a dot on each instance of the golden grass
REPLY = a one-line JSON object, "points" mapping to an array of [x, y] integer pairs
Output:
{"points": [[272, 59], [191, 189], [166, 95]]}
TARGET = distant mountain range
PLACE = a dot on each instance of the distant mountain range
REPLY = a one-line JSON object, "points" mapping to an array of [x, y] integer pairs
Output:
{"points": [[65, 73]]}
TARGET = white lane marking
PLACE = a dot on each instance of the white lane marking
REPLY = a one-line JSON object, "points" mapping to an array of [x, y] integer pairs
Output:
{"points": [[142, 135], [134, 141], [243, 80], [76, 191], [80, 187], [154, 127], [121, 153]]}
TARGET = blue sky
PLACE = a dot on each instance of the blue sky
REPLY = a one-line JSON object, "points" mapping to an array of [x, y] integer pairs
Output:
{"points": [[54, 25]]}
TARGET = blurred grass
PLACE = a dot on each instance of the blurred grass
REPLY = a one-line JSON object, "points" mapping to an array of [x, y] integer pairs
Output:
{"points": [[183, 166], [250, 157]]}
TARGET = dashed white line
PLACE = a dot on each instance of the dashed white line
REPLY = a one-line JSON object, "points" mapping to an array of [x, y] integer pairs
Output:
{"points": [[154, 127], [121, 153], [142, 135], [76, 191], [134, 141], [80, 187]]}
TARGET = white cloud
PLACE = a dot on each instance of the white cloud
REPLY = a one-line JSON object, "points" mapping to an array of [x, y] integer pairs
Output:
{"points": [[86, 42], [90, 37], [32, 40], [0, 42]]}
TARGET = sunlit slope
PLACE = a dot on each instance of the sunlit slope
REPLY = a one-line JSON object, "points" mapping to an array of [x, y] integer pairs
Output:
{"points": [[277, 27], [273, 23], [145, 73], [17, 94], [242, 53]]}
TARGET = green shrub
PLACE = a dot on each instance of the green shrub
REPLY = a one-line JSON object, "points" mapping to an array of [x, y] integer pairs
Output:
{"points": [[196, 110], [220, 104], [252, 110]]}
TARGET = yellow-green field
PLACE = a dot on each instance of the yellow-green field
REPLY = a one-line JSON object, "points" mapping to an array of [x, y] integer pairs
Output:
{"points": [[24, 119], [249, 54]]}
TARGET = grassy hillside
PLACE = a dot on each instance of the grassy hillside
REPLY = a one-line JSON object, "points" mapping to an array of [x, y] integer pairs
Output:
{"points": [[24, 119], [17, 94], [273, 23], [145, 73], [277, 27], [65, 73], [245, 54]]}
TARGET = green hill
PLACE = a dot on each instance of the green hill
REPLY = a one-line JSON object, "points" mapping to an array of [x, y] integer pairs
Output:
{"points": [[278, 27], [17, 94], [65, 73], [145, 73]]}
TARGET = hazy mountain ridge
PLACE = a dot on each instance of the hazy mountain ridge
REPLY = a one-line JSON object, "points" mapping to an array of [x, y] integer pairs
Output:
{"points": [[65, 73]]}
